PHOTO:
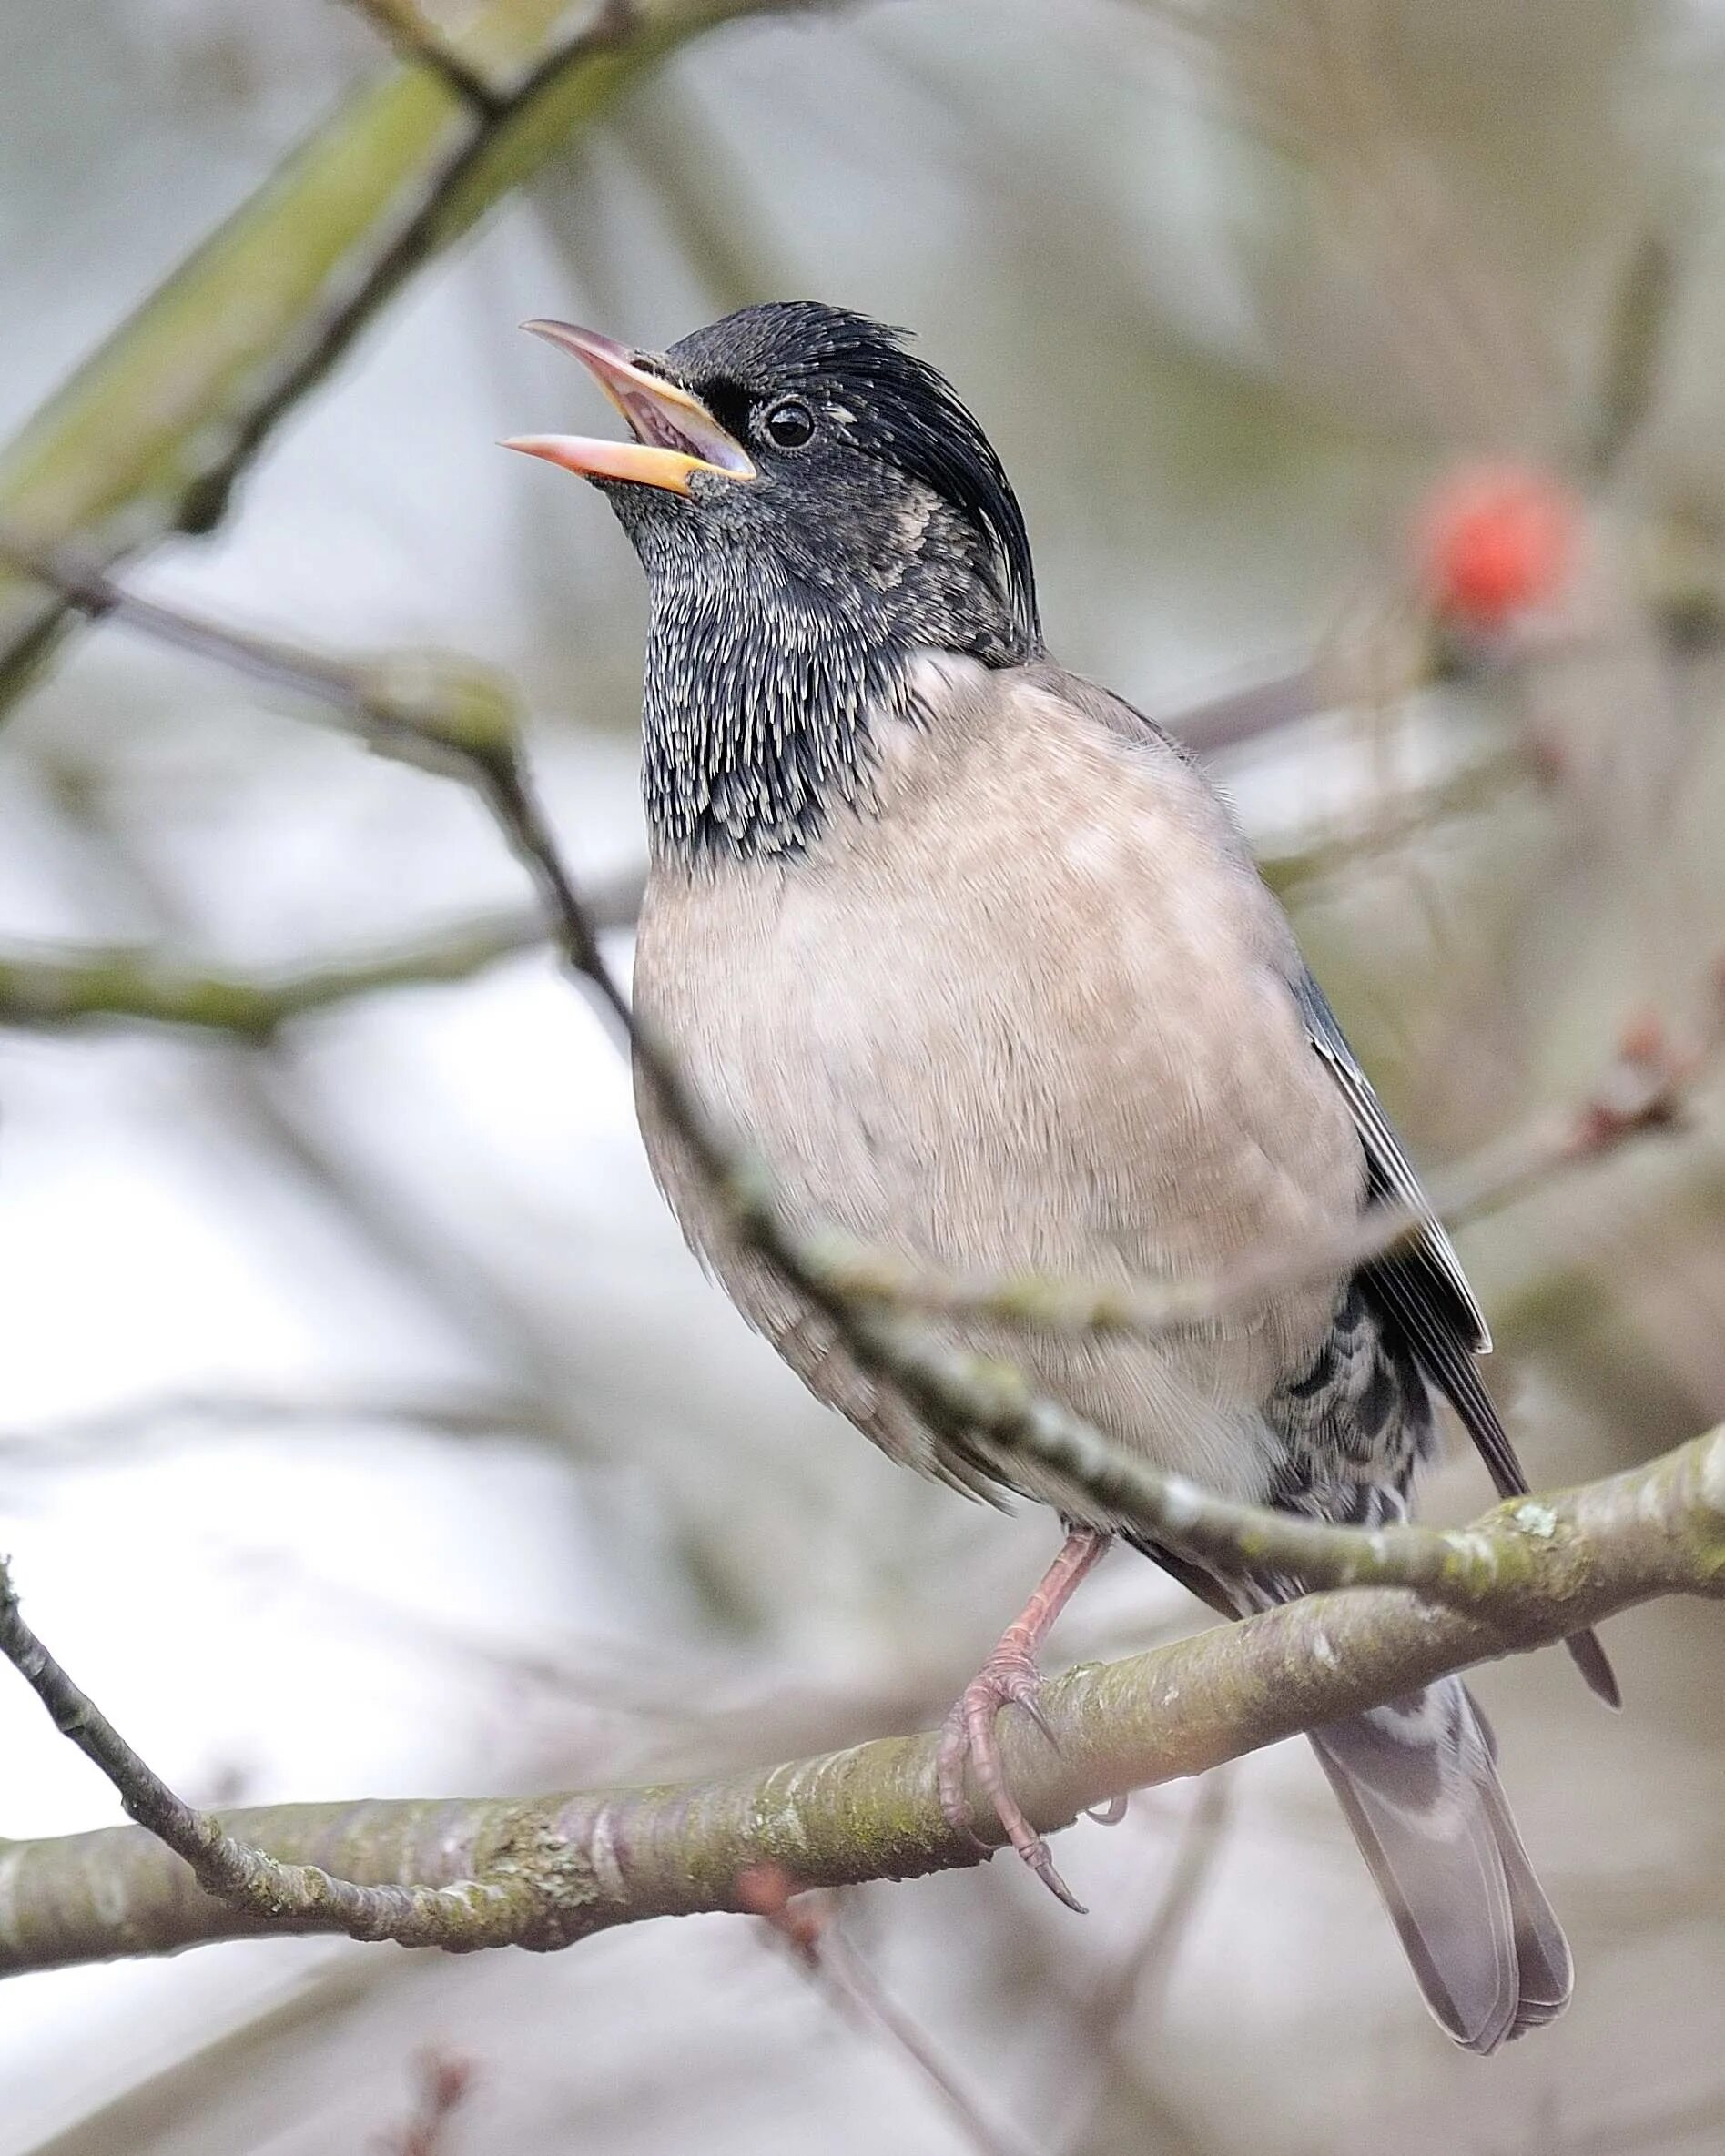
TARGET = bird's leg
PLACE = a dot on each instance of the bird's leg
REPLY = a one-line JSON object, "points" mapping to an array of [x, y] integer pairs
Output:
{"points": [[1010, 1674]]}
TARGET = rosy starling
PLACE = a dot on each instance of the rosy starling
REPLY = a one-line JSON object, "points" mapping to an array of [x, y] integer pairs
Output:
{"points": [[973, 955]]}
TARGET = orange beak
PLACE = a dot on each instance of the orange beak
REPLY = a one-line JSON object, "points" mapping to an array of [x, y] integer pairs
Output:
{"points": [[675, 436]]}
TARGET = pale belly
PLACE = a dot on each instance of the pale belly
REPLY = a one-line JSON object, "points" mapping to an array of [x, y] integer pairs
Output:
{"points": [[1009, 1064]]}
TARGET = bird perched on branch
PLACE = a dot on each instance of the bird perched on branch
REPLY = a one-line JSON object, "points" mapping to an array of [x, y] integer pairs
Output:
{"points": [[973, 955]]}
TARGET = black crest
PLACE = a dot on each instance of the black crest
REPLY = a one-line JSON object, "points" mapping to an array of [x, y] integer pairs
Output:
{"points": [[905, 413]]}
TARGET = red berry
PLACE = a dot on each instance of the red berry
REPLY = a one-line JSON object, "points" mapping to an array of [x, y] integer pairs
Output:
{"points": [[1495, 539]]}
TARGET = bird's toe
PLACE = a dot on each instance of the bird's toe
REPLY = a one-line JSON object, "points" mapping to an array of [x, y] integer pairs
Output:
{"points": [[970, 1739]]}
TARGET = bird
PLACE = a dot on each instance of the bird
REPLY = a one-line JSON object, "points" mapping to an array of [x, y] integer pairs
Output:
{"points": [[975, 956]]}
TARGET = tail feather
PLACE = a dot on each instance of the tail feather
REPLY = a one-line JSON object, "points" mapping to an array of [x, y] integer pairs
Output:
{"points": [[1421, 1793], [1417, 1780]]}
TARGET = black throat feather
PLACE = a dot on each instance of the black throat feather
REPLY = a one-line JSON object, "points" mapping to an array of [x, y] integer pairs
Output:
{"points": [[759, 706], [767, 669]]}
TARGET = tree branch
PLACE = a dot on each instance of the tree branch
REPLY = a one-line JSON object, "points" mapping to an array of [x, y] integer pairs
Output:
{"points": [[154, 431], [403, 26], [301, 1896], [62, 985], [1643, 1092], [804, 1927], [982, 1413], [566, 1865]]}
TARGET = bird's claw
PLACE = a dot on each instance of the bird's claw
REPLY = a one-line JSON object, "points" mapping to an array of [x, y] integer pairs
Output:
{"points": [[1008, 1677], [1034, 1706], [1039, 1861], [1107, 1815]]}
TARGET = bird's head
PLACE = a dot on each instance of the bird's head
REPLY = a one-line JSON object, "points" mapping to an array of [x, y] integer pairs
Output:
{"points": [[796, 449]]}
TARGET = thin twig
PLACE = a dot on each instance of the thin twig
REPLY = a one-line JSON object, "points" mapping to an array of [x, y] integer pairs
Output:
{"points": [[1151, 1959], [1637, 337], [1335, 848], [983, 1411], [266, 1087], [1643, 1092], [1303, 79], [405, 702], [806, 1926], [60, 983], [218, 419], [608, 31], [403, 26], [1149, 1963]]}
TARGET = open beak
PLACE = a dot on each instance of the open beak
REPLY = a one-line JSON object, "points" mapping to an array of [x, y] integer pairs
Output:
{"points": [[675, 436]]}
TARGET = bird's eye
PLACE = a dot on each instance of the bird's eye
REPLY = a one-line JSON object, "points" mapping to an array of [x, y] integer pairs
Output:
{"points": [[790, 423]]}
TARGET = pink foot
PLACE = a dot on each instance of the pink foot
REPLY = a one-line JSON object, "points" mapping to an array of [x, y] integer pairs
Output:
{"points": [[1010, 1677], [968, 1739]]}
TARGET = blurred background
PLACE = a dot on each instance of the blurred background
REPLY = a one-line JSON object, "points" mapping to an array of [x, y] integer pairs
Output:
{"points": [[367, 1430]]}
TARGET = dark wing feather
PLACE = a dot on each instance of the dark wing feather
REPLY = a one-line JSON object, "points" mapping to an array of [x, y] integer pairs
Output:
{"points": [[1429, 1256], [1423, 1292]]}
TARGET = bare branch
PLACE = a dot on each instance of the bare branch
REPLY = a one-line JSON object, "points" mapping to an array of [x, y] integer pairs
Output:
{"points": [[1148, 1966], [1323, 854], [153, 434], [407, 703], [1532, 1572], [298, 1897], [1635, 348], [58, 985], [1643, 1092], [983, 1411], [570, 1864], [1151, 1958], [807, 1927], [404, 26]]}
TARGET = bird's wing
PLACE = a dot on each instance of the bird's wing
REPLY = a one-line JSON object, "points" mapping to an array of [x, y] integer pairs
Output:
{"points": [[1421, 1284], [1392, 1179], [1418, 1291], [1423, 1292]]}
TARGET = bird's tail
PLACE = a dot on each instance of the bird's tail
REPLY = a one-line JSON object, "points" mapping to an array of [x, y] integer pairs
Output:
{"points": [[1418, 1781]]}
